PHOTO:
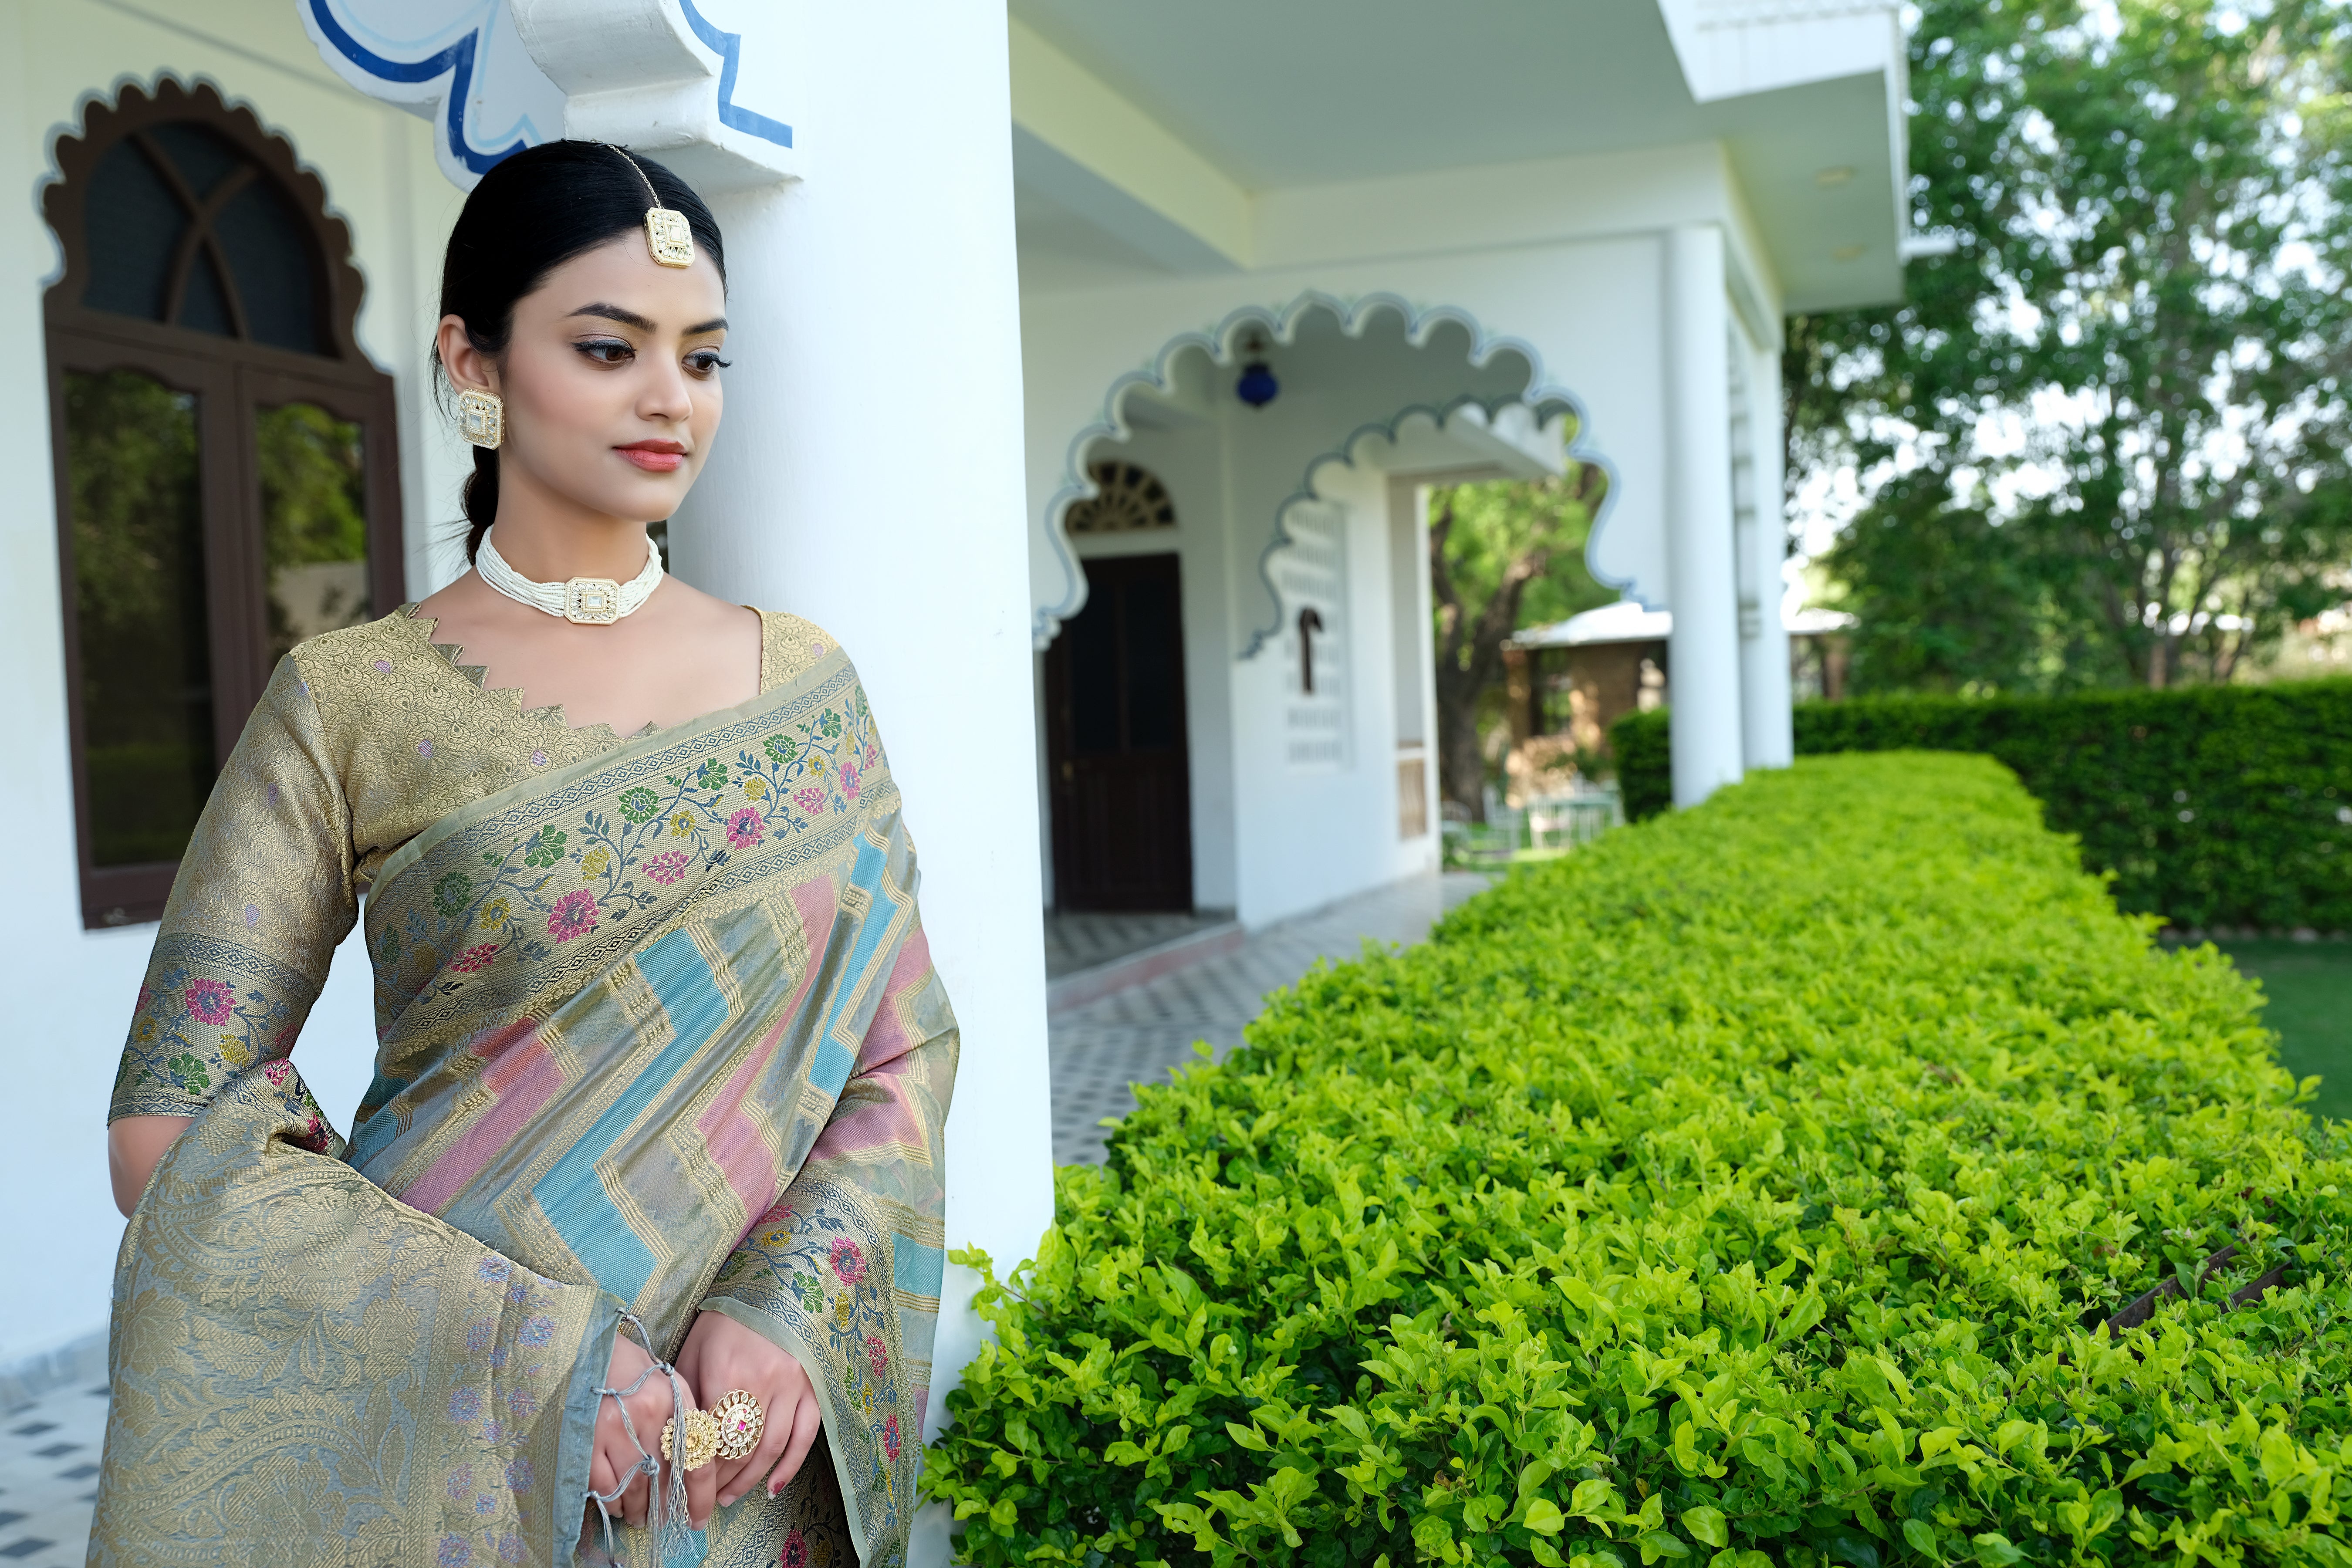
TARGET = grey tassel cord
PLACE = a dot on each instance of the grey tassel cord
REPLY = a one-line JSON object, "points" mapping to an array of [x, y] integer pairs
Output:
{"points": [[667, 1517]]}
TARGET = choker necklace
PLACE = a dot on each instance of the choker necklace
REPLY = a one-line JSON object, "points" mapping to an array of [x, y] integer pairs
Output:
{"points": [[583, 601]]}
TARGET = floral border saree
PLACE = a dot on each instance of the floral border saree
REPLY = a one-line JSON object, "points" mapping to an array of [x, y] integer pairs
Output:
{"points": [[659, 1031]]}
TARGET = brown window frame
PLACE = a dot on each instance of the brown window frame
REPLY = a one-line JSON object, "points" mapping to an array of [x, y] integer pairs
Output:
{"points": [[233, 379]]}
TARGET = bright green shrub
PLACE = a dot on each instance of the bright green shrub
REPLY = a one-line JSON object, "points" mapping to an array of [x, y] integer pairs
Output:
{"points": [[1728, 1191], [2212, 804]]}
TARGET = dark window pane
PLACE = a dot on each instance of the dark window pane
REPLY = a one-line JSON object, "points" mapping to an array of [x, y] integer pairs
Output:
{"points": [[313, 523], [132, 225], [203, 156], [204, 307], [1155, 716], [139, 568], [271, 264], [1094, 676]]}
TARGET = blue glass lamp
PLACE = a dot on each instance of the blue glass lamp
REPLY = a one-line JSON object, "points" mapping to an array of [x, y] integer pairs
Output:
{"points": [[1256, 386]]}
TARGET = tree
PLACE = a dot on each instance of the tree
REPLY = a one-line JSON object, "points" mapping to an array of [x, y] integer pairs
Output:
{"points": [[2104, 440], [1501, 555]]}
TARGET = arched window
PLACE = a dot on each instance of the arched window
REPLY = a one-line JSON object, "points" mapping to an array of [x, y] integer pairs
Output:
{"points": [[228, 479]]}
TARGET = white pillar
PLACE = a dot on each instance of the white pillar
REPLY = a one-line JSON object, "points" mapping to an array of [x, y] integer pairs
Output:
{"points": [[1762, 533], [1702, 651], [860, 299]]}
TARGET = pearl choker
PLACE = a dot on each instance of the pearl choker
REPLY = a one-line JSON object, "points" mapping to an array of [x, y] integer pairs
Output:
{"points": [[583, 601]]}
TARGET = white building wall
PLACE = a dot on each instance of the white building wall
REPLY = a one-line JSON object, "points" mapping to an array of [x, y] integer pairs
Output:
{"points": [[1590, 310], [74, 989], [1313, 831]]}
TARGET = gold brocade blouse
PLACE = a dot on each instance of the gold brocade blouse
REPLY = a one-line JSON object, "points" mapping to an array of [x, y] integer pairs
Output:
{"points": [[365, 738]]}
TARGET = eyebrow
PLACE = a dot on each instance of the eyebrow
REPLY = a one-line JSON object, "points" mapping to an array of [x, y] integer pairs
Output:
{"points": [[631, 318]]}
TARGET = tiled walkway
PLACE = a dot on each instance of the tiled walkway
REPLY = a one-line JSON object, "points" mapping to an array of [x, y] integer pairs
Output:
{"points": [[48, 1476], [48, 1448], [1073, 942], [1138, 1035]]}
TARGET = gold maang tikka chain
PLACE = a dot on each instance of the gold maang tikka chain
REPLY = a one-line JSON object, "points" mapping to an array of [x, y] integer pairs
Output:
{"points": [[667, 236]]}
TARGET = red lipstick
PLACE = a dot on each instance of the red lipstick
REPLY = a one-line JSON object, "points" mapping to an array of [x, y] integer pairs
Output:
{"points": [[655, 456]]}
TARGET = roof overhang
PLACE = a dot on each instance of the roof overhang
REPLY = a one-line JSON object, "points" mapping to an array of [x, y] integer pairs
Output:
{"points": [[1150, 138]]}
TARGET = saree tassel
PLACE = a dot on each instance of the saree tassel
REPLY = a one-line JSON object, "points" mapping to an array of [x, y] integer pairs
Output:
{"points": [[667, 1520]]}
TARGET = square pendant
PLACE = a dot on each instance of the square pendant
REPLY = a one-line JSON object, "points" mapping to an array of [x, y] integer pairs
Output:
{"points": [[668, 237], [592, 601]]}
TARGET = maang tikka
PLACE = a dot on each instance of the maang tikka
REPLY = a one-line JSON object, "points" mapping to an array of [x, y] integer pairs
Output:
{"points": [[667, 236]]}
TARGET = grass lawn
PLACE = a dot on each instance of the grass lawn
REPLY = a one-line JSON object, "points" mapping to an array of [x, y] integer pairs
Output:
{"points": [[2309, 987]]}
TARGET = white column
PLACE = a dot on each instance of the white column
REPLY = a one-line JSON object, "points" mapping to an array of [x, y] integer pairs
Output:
{"points": [[860, 300], [1703, 652], [1766, 739]]}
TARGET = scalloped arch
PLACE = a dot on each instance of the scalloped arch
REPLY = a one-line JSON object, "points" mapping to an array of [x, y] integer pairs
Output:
{"points": [[1542, 396], [57, 201]]}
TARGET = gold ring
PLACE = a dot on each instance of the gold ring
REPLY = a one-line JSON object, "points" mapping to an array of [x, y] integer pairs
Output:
{"points": [[741, 1422], [701, 1439]]}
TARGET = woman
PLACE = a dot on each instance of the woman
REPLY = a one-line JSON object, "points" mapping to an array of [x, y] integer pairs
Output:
{"points": [[662, 1061]]}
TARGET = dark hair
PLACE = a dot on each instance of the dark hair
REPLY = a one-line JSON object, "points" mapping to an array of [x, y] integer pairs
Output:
{"points": [[530, 215]]}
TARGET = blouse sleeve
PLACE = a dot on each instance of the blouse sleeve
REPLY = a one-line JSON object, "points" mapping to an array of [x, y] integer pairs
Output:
{"points": [[263, 897]]}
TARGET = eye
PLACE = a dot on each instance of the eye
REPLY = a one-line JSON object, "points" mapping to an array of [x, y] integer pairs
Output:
{"points": [[705, 361], [605, 350]]}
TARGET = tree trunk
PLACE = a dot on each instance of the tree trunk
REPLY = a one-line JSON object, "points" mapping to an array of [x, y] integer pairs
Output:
{"points": [[1461, 760], [1470, 656]]}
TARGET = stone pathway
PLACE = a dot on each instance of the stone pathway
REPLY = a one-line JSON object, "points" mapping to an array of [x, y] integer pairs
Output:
{"points": [[1135, 1036], [49, 1446]]}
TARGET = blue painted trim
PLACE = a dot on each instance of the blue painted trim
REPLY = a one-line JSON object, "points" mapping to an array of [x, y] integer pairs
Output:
{"points": [[457, 60], [728, 47]]}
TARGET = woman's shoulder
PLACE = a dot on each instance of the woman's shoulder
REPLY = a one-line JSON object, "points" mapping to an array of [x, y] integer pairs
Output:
{"points": [[790, 646], [335, 662]]}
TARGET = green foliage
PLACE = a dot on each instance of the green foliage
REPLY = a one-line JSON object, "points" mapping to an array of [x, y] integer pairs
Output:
{"points": [[1500, 527], [2210, 806], [1502, 555], [2144, 323], [1730, 1190]]}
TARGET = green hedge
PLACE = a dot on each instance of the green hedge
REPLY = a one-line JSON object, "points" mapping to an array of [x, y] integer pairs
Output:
{"points": [[1728, 1191], [2213, 806]]}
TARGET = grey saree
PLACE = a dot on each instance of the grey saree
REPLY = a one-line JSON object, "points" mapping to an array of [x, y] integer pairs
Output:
{"points": [[659, 1030]]}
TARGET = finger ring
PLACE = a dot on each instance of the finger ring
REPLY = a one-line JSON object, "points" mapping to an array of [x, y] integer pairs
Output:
{"points": [[701, 1440], [741, 1422]]}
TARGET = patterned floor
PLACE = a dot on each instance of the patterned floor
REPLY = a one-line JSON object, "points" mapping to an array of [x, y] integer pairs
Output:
{"points": [[50, 1448], [48, 1473], [1075, 941], [1138, 1035]]}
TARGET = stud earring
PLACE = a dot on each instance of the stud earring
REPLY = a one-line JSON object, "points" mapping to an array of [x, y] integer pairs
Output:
{"points": [[482, 417]]}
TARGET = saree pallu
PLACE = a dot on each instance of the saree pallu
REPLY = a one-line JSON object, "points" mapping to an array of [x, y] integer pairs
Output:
{"points": [[659, 1031]]}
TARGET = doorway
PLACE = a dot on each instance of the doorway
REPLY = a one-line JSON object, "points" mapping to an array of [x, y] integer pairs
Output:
{"points": [[1116, 750]]}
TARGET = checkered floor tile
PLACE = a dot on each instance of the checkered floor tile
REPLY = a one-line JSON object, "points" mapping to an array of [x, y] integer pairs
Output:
{"points": [[48, 1477]]}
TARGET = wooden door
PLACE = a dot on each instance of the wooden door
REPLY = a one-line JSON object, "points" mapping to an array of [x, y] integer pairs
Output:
{"points": [[1116, 743]]}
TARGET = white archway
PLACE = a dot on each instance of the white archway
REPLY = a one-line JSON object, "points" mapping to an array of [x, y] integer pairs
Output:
{"points": [[1485, 392]]}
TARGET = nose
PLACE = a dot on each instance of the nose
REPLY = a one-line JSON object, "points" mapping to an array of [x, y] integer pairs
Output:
{"points": [[665, 396]]}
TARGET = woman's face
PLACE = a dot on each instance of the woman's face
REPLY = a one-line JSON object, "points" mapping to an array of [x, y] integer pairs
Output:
{"points": [[610, 380]]}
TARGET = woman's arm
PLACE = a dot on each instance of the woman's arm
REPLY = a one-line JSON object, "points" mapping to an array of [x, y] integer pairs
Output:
{"points": [[134, 1146]]}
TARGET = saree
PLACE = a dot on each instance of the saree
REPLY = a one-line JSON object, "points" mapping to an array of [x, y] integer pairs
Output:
{"points": [[658, 1033]]}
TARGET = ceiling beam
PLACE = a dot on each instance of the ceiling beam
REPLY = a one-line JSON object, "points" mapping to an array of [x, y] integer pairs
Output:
{"points": [[1088, 149]]}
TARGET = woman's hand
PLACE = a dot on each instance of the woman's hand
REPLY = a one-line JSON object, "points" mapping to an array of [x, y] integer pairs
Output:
{"points": [[721, 1356], [614, 1455]]}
